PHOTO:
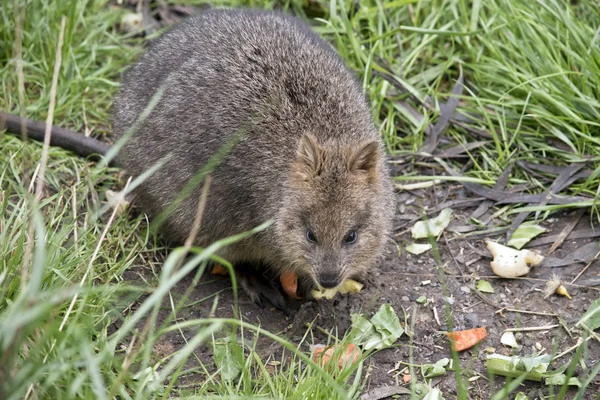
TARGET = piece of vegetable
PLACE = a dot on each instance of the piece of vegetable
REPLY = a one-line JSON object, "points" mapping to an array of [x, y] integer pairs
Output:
{"points": [[434, 394], [508, 339], [463, 340], [348, 286], [510, 263], [218, 269], [228, 356], [417, 248], [561, 379], [432, 227], [406, 378], [515, 366], [484, 286], [437, 369], [289, 283], [345, 355], [381, 332]]}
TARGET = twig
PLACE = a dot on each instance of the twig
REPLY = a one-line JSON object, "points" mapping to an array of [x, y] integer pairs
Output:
{"points": [[529, 312], [199, 213], [40, 178], [20, 75], [532, 328], [94, 256], [580, 341], [76, 142]]}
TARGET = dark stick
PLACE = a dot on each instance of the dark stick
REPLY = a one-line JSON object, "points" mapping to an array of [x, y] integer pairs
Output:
{"points": [[64, 138]]}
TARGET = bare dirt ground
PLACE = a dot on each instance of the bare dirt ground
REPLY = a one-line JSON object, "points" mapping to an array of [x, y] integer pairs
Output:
{"points": [[402, 278]]}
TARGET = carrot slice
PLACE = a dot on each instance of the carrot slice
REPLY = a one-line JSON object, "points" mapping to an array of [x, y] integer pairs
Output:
{"points": [[289, 282], [348, 357], [462, 340], [218, 269]]}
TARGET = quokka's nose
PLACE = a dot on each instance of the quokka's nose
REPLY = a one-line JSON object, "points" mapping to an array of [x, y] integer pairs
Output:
{"points": [[329, 281]]}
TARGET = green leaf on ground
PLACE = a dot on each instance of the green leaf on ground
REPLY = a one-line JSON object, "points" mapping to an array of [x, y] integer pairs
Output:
{"points": [[523, 234], [484, 286], [437, 369], [381, 332], [432, 227]]}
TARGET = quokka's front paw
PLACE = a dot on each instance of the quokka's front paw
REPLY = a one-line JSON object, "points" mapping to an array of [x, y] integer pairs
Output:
{"points": [[260, 288]]}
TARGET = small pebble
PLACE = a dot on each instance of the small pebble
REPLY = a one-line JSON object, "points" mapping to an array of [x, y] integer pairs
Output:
{"points": [[465, 289], [472, 320]]}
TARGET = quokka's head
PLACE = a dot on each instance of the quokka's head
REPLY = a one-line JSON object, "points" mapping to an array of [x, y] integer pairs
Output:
{"points": [[336, 210]]}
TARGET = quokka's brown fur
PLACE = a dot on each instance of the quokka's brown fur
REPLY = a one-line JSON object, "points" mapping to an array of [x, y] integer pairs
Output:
{"points": [[309, 156]]}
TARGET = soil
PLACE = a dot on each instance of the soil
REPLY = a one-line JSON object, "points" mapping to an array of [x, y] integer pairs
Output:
{"points": [[402, 278]]}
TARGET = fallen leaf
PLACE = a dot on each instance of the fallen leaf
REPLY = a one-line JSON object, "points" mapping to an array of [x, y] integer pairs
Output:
{"points": [[462, 340], [432, 227], [523, 234]]}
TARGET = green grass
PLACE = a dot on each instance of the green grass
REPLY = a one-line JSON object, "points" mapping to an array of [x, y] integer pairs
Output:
{"points": [[532, 73]]}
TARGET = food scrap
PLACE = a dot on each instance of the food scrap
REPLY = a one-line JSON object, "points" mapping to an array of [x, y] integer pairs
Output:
{"points": [[345, 354], [348, 286], [510, 263], [463, 340], [218, 269], [289, 283]]}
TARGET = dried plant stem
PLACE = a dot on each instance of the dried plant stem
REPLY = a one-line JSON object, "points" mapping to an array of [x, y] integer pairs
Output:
{"points": [[39, 188]]}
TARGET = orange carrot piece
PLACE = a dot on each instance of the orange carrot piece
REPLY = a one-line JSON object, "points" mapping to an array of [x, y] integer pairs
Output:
{"points": [[218, 269], [348, 357], [462, 340], [406, 378], [289, 282]]}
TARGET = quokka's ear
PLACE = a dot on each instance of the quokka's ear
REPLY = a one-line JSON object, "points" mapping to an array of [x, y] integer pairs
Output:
{"points": [[308, 158], [365, 158]]}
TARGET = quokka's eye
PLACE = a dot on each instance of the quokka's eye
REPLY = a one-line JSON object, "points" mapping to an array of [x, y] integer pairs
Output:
{"points": [[310, 236], [351, 237]]}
